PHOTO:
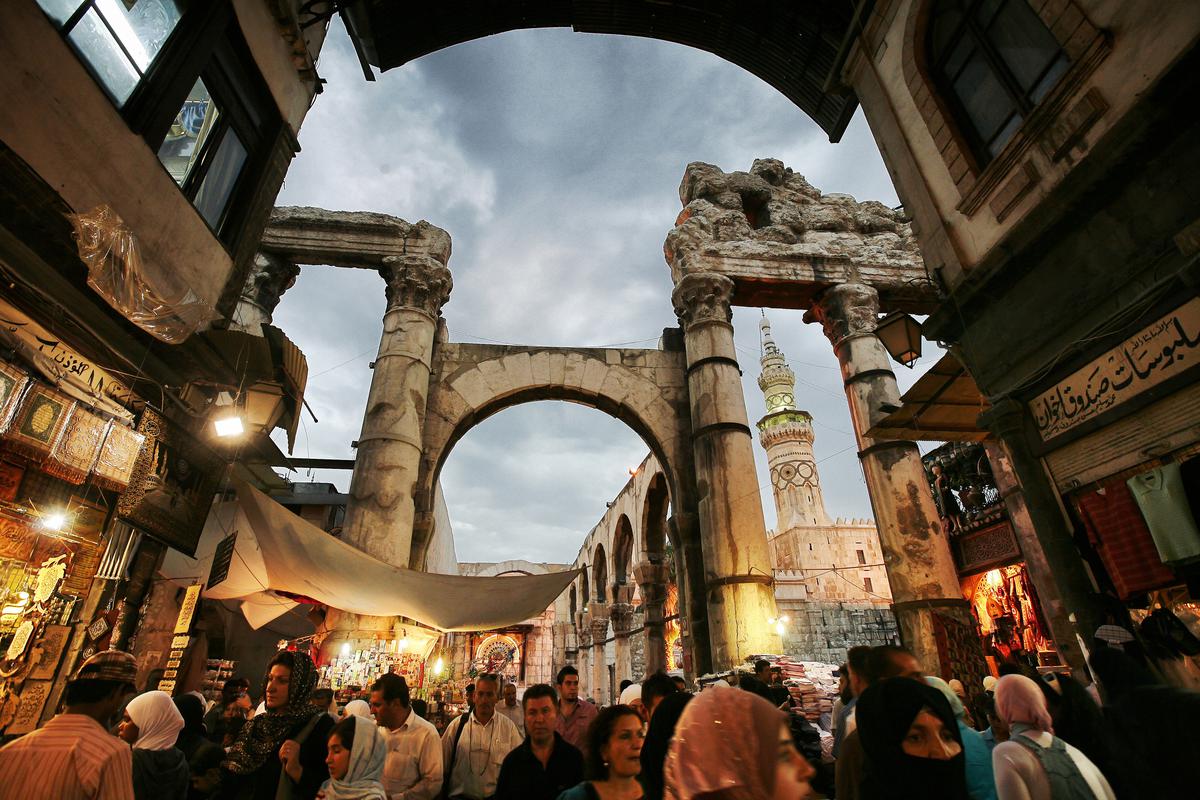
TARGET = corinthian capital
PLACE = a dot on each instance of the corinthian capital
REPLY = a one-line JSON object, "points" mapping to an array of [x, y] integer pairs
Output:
{"points": [[845, 310], [703, 297], [621, 615], [269, 277], [416, 281]]}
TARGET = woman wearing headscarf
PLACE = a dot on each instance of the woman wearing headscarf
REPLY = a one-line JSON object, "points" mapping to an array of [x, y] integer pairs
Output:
{"points": [[281, 750], [357, 750], [151, 725], [203, 756], [658, 739], [981, 782], [911, 741], [1034, 764], [357, 708], [734, 745]]}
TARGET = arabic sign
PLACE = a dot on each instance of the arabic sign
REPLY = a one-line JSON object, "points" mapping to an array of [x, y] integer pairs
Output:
{"points": [[222, 558], [1160, 351], [187, 608]]}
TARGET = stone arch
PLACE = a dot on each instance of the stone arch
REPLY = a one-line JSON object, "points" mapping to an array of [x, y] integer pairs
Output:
{"points": [[645, 389], [654, 518], [600, 574], [512, 567], [622, 552], [791, 47]]}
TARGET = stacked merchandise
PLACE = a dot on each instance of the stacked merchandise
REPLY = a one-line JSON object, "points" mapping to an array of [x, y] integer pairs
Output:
{"points": [[811, 684], [216, 673]]}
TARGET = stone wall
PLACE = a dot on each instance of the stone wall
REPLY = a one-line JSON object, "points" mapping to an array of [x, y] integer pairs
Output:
{"points": [[820, 631]]}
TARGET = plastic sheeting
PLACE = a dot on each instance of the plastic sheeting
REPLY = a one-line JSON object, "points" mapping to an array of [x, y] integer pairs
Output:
{"points": [[116, 273], [277, 551]]}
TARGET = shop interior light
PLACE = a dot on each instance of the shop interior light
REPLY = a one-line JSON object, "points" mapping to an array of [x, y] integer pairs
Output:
{"points": [[438, 666], [229, 426], [345, 649], [54, 521], [402, 645]]}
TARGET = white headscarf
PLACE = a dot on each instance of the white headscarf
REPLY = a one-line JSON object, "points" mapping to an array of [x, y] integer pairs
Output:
{"points": [[632, 692], [158, 720], [358, 708], [367, 756]]}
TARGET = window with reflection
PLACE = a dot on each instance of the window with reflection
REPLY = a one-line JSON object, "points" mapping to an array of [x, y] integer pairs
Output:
{"points": [[993, 61], [117, 39]]}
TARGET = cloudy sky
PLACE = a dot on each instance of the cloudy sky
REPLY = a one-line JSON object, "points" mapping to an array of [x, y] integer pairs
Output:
{"points": [[553, 159]]}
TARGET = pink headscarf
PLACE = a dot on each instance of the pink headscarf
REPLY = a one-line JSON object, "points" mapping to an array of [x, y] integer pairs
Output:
{"points": [[725, 746], [1019, 699]]}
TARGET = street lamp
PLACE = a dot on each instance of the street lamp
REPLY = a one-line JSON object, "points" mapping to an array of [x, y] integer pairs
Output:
{"points": [[780, 624], [901, 336]]}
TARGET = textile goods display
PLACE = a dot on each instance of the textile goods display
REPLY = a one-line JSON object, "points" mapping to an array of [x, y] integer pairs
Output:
{"points": [[1161, 496], [75, 453], [1117, 530], [277, 551], [143, 296], [12, 385], [39, 422], [114, 463]]}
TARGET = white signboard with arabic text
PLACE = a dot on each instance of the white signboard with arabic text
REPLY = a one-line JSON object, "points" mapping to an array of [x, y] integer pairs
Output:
{"points": [[1158, 352]]}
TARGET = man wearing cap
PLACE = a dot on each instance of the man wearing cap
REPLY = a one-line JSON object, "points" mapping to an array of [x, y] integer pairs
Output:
{"points": [[73, 756]]}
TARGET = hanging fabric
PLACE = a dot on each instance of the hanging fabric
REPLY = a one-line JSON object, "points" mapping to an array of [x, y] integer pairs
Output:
{"points": [[1161, 496], [1117, 530]]}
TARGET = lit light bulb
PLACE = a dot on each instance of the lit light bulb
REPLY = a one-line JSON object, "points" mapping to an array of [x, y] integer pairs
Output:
{"points": [[438, 666], [55, 521], [402, 645], [345, 649], [229, 426], [779, 628]]}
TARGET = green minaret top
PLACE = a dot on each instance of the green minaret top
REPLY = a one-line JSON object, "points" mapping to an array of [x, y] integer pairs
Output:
{"points": [[777, 381]]}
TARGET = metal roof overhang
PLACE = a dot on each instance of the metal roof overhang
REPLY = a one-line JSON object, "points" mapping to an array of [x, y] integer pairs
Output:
{"points": [[797, 47], [942, 406]]}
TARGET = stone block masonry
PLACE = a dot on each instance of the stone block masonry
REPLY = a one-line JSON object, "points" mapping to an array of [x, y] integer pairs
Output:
{"points": [[825, 631]]}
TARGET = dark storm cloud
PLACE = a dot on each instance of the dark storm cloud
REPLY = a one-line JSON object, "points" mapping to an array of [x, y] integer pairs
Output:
{"points": [[554, 160]]}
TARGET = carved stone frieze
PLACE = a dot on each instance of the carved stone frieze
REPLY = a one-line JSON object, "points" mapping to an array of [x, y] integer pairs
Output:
{"points": [[703, 297], [420, 282]]}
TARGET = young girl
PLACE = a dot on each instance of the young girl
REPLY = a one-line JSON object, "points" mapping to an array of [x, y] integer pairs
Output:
{"points": [[357, 749]]}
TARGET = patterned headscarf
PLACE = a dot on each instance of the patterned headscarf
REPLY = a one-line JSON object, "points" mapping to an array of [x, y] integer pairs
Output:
{"points": [[263, 735], [725, 746], [367, 755]]}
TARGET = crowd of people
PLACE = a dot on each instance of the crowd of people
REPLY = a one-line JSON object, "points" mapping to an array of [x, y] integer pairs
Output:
{"points": [[896, 733]]}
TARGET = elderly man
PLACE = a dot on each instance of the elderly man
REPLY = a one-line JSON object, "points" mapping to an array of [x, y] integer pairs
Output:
{"points": [[511, 708], [413, 766], [474, 745], [73, 756], [544, 765]]}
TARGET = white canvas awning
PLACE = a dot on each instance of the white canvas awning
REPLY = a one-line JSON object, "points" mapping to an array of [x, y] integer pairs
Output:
{"points": [[277, 551]]}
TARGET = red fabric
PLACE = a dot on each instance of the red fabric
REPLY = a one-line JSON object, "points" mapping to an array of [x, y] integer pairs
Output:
{"points": [[1118, 531]]}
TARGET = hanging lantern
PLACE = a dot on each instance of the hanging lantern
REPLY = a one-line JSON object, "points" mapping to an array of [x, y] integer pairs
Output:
{"points": [[901, 336]]}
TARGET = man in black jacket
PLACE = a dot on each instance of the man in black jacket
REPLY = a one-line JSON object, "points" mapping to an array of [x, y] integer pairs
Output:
{"points": [[545, 764]]}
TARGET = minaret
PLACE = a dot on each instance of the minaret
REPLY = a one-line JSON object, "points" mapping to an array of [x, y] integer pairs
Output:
{"points": [[786, 434]]}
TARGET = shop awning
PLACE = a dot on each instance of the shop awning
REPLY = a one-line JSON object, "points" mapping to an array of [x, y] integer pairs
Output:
{"points": [[942, 406], [276, 552]]}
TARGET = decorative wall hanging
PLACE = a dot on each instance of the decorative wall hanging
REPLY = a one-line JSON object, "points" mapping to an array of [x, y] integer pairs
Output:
{"points": [[33, 700], [118, 455], [39, 422], [48, 652], [173, 484], [75, 453], [12, 385], [10, 481]]}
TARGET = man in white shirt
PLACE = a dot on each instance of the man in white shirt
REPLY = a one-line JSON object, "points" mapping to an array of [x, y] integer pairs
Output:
{"points": [[511, 708], [474, 745], [413, 769]]}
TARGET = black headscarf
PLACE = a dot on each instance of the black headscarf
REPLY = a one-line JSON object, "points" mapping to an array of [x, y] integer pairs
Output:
{"points": [[885, 712], [658, 740], [262, 736]]}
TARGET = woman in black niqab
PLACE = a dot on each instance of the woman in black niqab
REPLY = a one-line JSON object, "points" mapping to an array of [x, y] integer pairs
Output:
{"points": [[885, 715]]}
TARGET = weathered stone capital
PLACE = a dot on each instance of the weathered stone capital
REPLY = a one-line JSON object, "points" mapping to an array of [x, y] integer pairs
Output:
{"points": [[703, 297], [269, 277], [650, 574], [584, 637], [599, 631], [417, 281], [622, 618], [845, 310]]}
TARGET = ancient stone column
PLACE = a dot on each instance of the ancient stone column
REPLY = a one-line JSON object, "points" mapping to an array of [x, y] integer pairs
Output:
{"points": [[621, 616], [269, 277], [917, 555], [737, 564], [652, 579], [379, 516], [599, 626]]}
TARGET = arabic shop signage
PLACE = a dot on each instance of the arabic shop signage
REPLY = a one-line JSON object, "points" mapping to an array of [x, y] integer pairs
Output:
{"points": [[1160, 351]]}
